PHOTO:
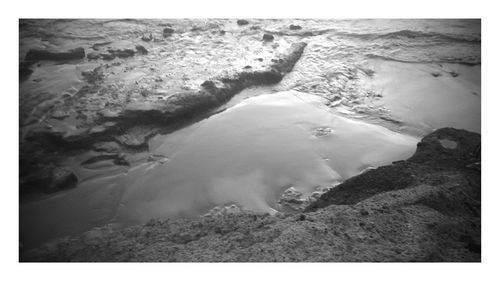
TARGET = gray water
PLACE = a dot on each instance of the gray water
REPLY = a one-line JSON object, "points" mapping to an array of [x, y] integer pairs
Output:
{"points": [[361, 96]]}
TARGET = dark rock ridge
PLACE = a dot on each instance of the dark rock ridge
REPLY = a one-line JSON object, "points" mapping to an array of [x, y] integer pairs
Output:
{"points": [[136, 122], [424, 209], [36, 55], [122, 53]]}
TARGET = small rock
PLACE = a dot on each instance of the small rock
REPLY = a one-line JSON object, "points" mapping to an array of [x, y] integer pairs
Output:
{"points": [[134, 138], [107, 56], [158, 158], [436, 74], [242, 22], [292, 199], [295, 27], [93, 76], [147, 39], [453, 74], [268, 37], [222, 32], [322, 131], [124, 53], [93, 56], [108, 146], [167, 31], [62, 178], [98, 45], [141, 50], [364, 212]]}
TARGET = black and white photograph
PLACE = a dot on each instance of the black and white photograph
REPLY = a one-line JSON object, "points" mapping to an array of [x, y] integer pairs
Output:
{"points": [[248, 139]]}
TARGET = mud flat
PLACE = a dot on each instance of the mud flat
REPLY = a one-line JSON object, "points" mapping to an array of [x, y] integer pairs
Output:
{"points": [[426, 208]]}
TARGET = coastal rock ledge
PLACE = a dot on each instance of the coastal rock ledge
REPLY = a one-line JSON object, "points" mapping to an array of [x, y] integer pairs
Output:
{"points": [[426, 208]]}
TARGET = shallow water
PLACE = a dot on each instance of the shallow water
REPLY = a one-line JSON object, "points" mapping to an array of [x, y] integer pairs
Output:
{"points": [[421, 103], [247, 155]]}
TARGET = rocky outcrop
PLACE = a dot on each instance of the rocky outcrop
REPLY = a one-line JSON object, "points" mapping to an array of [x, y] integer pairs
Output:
{"points": [[431, 156], [36, 55], [427, 208], [133, 123]]}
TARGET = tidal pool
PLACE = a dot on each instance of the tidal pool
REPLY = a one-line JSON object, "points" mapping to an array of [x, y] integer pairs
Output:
{"points": [[246, 155]]}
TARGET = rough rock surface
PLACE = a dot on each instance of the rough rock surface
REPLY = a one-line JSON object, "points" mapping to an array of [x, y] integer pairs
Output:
{"points": [[119, 96], [427, 208]]}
